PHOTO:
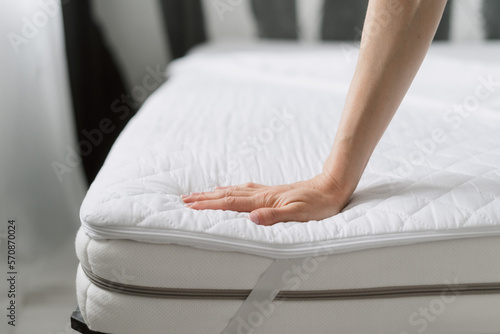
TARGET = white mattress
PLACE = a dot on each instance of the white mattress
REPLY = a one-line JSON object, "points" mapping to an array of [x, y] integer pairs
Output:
{"points": [[199, 131], [111, 312], [436, 224]]}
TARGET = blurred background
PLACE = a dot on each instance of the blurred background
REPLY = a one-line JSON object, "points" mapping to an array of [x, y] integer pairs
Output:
{"points": [[73, 72]]}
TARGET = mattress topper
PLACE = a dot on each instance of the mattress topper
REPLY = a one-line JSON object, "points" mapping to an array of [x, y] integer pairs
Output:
{"points": [[268, 113]]}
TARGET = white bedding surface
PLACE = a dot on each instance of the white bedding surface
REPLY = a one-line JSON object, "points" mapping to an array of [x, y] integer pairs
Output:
{"points": [[471, 260], [110, 312], [268, 114]]}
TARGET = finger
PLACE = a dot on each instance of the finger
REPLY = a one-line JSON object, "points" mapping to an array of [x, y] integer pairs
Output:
{"points": [[271, 216], [249, 185], [241, 204], [215, 195]]}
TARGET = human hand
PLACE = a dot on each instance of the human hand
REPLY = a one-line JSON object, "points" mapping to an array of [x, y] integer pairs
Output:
{"points": [[318, 198]]}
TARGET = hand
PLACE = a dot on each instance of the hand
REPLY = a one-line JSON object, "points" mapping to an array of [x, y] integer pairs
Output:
{"points": [[318, 198]]}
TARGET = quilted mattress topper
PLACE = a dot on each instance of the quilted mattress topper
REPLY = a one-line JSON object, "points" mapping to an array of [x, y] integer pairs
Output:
{"points": [[268, 114]]}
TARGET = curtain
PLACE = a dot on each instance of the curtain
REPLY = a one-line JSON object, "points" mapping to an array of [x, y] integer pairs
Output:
{"points": [[101, 103], [40, 183], [36, 133]]}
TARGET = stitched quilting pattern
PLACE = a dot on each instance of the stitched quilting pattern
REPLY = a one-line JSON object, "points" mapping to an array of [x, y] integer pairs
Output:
{"points": [[270, 117]]}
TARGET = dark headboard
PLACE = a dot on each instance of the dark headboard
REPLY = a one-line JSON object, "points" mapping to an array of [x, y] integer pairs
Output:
{"points": [[491, 10], [340, 20]]}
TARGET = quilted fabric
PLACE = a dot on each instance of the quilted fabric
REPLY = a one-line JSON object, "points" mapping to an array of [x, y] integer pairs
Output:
{"points": [[268, 114]]}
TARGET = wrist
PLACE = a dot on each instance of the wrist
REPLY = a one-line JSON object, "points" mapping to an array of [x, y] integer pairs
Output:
{"points": [[345, 165], [331, 186]]}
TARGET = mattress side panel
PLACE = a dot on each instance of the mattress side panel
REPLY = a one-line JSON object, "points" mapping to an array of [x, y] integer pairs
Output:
{"points": [[472, 260], [124, 314]]}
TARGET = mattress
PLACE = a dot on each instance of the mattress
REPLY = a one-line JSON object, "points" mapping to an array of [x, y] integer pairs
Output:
{"points": [[123, 313], [421, 231]]}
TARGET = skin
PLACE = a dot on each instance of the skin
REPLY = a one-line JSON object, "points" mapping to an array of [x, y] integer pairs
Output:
{"points": [[395, 39]]}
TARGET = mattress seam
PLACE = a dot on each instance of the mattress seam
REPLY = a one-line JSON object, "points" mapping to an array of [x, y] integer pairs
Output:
{"points": [[335, 294]]}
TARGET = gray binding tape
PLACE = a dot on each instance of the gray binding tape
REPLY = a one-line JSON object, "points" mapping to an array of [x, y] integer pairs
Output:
{"points": [[260, 304]]}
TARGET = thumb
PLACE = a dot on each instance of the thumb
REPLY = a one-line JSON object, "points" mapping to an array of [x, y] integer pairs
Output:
{"points": [[271, 216]]}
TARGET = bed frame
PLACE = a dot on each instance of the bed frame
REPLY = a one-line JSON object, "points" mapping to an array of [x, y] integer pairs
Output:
{"points": [[79, 325]]}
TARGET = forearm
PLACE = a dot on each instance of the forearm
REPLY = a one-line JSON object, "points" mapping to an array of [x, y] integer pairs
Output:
{"points": [[395, 39]]}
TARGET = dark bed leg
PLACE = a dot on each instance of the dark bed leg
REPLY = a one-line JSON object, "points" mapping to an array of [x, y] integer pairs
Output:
{"points": [[79, 325]]}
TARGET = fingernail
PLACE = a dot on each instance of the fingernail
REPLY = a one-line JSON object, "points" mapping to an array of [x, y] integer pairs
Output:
{"points": [[188, 205], [254, 217], [184, 196]]}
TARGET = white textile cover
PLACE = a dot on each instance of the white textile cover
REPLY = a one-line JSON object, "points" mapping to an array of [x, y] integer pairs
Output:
{"points": [[269, 115]]}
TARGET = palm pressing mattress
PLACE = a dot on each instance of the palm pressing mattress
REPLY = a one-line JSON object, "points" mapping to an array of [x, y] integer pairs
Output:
{"points": [[416, 249]]}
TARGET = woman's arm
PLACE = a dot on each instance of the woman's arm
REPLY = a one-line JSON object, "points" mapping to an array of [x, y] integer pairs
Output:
{"points": [[395, 39]]}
